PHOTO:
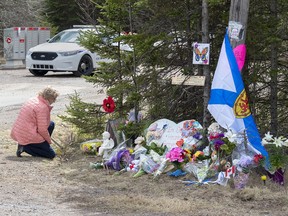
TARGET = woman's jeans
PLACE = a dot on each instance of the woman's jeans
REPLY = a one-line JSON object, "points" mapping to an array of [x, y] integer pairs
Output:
{"points": [[41, 149]]}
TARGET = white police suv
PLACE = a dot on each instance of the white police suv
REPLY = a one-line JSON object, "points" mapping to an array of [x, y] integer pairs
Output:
{"points": [[62, 53]]}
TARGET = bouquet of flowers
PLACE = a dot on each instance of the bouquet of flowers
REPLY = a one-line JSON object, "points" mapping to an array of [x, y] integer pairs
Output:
{"points": [[277, 148], [91, 146], [199, 169], [179, 156], [222, 143], [176, 155]]}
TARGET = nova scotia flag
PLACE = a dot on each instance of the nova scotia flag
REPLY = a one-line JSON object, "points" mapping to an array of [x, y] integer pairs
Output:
{"points": [[228, 102]]}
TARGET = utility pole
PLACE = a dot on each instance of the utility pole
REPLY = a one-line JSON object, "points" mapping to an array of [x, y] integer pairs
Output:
{"points": [[237, 26], [238, 17]]}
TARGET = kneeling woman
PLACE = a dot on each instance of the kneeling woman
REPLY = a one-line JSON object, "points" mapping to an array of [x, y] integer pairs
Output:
{"points": [[33, 128]]}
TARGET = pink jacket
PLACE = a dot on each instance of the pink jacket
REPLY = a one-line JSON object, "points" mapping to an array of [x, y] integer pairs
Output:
{"points": [[31, 125]]}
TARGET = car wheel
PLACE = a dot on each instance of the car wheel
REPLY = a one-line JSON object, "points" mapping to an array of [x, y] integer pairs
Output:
{"points": [[38, 72], [85, 66]]}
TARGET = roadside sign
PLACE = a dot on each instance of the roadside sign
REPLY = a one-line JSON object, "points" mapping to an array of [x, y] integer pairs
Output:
{"points": [[189, 80]]}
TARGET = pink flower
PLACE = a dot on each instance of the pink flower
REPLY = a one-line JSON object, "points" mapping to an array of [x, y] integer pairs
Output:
{"points": [[175, 154]]}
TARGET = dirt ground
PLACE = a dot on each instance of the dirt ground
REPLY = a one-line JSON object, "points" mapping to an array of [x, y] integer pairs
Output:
{"points": [[67, 186]]}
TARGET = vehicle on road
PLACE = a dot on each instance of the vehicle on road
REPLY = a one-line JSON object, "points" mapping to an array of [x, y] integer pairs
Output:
{"points": [[62, 53]]}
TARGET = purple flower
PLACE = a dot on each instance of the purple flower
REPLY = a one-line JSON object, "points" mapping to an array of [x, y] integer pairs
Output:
{"points": [[218, 143], [221, 135], [197, 136]]}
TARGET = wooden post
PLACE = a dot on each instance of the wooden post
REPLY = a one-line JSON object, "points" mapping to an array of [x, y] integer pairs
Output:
{"points": [[238, 15]]}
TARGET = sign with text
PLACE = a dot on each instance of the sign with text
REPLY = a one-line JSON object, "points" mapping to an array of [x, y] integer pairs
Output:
{"points": [[190, 80], [166, 132]]}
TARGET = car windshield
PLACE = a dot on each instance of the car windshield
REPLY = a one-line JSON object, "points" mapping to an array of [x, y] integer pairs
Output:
{"points": [[65, 37]]}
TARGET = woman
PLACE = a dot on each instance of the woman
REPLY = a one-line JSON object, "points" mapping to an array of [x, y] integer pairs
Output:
{"points": [[33, 128]]}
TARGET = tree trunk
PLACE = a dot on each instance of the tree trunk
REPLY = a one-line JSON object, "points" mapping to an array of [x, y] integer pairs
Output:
{"points": [[206, 68], [273, 76]]}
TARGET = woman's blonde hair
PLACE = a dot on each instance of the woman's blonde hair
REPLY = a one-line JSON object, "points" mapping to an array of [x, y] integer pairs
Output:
{"points": [[49, 93]]}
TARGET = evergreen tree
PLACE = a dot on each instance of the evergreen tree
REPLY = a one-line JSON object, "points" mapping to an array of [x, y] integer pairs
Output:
{"points": [[142, 77], [161, 46], [161, 42], [266, 75], [64, 14]]}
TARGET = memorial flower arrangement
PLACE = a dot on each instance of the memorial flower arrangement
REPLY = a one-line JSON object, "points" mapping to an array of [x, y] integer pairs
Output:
{"points": [[179, 156], [215, 161], [90, 147], [176, 155], [277, 148], [246, 162], [222, 143]]}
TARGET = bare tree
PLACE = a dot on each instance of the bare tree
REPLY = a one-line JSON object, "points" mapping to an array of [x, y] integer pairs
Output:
{"points": [[89, 12]]}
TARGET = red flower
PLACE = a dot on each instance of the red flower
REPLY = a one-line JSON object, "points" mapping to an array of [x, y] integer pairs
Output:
{"points": [[109, 104], [257, 158]]}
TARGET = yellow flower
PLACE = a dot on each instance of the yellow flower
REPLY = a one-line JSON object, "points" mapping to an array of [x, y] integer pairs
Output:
{"points": [[197, 154], [187, 153], [131, 150], [263, 177]]}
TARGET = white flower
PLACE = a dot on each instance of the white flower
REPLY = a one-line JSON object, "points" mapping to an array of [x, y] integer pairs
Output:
{"points": [[139, 140], [86, 110], [231, 136], [279, 141], [268, 136], [285, 143], [265, 142]]}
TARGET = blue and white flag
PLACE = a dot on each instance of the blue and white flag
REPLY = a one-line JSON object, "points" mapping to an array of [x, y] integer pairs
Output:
{"points": [[228, 102]]}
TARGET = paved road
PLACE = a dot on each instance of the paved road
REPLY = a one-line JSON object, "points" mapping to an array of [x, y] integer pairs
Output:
{"points": [[16, 86]]}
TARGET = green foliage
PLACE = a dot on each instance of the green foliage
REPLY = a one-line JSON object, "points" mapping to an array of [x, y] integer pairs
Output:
{"points": [[64, 14], [59, 14], [278, 157], [86, 117], [158, 149], [134, 78], [132, 129], [227, 148], [162, 45], [265, 75]]}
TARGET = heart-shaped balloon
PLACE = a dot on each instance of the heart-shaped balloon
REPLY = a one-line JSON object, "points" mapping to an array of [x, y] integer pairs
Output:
{"points": [[168, 133]]}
